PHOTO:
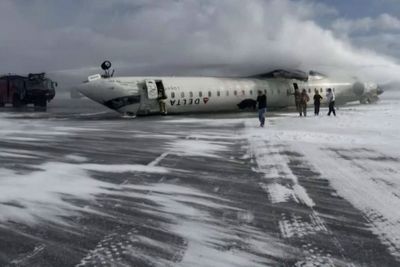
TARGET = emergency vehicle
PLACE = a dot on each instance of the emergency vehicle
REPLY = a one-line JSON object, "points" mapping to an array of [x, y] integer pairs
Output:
{"points": [[20, 91]]}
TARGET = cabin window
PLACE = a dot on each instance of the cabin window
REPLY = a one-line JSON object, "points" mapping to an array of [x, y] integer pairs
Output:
{"points": [[172, 94], [309, 90], [251, 92], [333, 89], [183, 94], [200, 94], [265, 91], [243, 92], [279, 91], [209, 93], [235, 92], [190, 94], [320, 90], [227, 93], [218, 93]]}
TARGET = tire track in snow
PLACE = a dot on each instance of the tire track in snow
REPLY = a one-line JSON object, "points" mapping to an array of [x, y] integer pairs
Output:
{"points": [[131, 248], [370, 188], [282, 187], [377, 192]]}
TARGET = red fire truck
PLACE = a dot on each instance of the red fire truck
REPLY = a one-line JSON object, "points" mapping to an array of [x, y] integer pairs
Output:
{"points": [[20, 91]]}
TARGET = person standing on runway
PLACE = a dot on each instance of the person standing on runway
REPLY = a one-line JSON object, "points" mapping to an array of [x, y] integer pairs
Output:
{"points": [[330, 97], [303, 102], [317, 102], [297, 100], [262, 107]]}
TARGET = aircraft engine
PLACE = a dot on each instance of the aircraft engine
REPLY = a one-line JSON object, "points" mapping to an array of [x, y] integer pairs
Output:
{"points": [[380, 90], [368, 92], [358, 88]]}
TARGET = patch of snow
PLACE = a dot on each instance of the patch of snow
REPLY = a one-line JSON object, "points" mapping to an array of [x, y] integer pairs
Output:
{"points": [[279, 193], [120, 168], [201, 148], [274, 164], [40, 195], [208, 237], [15, 155], [76, 158]]}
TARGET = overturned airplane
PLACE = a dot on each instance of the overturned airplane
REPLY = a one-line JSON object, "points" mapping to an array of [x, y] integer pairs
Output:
{"points": [[154, 95]]}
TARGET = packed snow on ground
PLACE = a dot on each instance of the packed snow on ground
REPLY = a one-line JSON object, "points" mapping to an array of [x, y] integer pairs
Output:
{"points": [[358, 151]]}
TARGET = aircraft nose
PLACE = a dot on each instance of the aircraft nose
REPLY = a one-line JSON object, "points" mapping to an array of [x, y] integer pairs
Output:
{"points": [[85, 88]]}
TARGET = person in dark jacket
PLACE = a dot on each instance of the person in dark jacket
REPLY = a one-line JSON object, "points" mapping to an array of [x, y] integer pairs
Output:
{"points": [[297, 100], [304, 98], [317, 102], [262, 107]]}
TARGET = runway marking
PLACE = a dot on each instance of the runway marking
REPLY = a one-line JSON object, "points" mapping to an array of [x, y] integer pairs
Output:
{"points": [[158, 159]]}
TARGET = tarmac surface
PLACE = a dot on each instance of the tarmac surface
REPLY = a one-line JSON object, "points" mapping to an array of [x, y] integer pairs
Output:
{"points": [[87, 188]]}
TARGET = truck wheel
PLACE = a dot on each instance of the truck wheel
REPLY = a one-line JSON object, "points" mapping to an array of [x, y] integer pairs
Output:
{"points": [[16, 101], [40, 104]]}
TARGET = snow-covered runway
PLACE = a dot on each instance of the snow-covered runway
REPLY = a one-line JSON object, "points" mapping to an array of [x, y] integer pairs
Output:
{"points": [[96, 190]]}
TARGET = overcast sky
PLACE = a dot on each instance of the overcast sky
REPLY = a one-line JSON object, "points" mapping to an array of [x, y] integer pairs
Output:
{"points": [[200, 37]]}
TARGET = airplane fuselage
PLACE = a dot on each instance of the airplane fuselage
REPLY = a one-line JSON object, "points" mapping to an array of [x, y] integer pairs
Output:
{"points": [[141, 95]]}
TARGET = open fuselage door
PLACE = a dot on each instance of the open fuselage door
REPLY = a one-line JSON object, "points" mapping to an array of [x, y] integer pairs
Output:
{"points": [[154, 90], [292, 100]]}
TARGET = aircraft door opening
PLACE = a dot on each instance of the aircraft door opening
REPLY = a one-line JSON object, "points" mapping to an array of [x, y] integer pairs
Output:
{"points": [[162, 97], [295, 86], [290, 91], [152, 92], [156, 96]]}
